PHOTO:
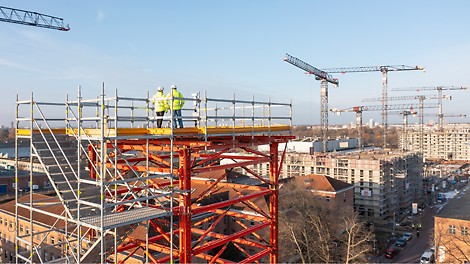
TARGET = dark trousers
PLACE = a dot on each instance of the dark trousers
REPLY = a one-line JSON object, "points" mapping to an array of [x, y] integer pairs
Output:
{"points": [[160, 118]]}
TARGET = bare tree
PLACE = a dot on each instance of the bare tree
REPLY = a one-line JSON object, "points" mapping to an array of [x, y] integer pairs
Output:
{"points": [[357, 235], [311, 231]]}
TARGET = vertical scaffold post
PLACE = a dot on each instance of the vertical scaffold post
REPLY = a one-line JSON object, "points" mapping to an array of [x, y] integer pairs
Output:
{"points": [[30, 185], [185, 205], [102, 174], [273, 201], [79, 142]]}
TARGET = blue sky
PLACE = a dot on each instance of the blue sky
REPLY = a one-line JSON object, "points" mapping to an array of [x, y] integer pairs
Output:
{"points": [[226, 47]]}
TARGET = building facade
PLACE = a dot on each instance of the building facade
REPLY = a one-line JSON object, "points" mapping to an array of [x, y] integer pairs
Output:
{"points": [[452, 230], [385, 184], [453, 143]]}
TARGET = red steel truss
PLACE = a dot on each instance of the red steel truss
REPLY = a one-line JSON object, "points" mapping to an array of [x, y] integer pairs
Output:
{"points": [[212, 212]]}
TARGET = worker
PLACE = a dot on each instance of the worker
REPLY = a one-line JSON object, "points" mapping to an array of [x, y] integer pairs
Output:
{"points": [[160, 103], [176, 102]]}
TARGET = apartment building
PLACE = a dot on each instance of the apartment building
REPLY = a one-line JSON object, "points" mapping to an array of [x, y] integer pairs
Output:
{"points": [[385, 184], [453, 143], [452, 230]]}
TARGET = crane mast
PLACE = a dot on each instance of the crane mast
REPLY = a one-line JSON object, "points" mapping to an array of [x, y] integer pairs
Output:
{"points": [[405, 115], [421, 99], [359, 109], [384, 70], [439, 90], [23, 17], [324, 78]]}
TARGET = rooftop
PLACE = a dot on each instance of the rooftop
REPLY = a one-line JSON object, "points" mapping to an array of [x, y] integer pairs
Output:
{"points": [[321, 183], [457, 207]]}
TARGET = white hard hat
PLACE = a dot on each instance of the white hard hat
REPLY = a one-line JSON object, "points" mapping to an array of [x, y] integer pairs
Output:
{"points": [[160, 89], [173, 87]]}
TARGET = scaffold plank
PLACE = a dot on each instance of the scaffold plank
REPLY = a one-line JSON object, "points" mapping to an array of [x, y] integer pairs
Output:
{"points": [[136, 215]]}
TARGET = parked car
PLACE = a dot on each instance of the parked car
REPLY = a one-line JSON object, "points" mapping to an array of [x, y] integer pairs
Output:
{"points": [[390, 253], [427, 257], [401, 242], [407, 236]]}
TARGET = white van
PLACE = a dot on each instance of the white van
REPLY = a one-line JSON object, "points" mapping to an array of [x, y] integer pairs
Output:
{"points": [[427, 257]]}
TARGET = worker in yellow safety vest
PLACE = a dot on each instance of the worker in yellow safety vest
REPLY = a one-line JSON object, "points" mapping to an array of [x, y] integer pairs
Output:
{"points": [[160, 103], [176, 102]]}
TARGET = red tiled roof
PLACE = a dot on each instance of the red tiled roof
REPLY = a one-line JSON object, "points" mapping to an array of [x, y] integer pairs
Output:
{"points": [[43, 202], [323, 183]]}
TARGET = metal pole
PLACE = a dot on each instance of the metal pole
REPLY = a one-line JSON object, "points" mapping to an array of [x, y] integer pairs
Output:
{"points": [[421, 123], [116, 105], [290, 116], [30, 185], [102, 174], [441, 116], [16, 175], [405, 131], [359, 128], [79, 141], [324, 113], [384, 105]]}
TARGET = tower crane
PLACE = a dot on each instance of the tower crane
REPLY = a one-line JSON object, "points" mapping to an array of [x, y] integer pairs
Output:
{"points": [[359, 109], [29, 18], [384, 69], [405, 115], [439, 90], [324, 78], [421, 99]]}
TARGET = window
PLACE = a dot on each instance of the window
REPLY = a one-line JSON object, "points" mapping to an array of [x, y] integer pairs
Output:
{"points": [[327, 198], [252, 222], [1, 221], [52, 240], [464, 231], [452, 230], [21, 229], [27, 230]]}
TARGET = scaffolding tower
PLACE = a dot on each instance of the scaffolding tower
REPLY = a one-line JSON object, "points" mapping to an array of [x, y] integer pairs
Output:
{"points": [[125, 190]]}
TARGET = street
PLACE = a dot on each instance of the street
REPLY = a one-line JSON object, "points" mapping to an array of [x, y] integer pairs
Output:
{"points": [[417, 245]]}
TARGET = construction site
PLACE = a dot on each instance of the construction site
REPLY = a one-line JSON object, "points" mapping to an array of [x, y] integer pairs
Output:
{"points": [[123, 188]]}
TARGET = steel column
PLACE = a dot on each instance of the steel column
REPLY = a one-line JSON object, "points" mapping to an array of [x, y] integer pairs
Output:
{"points": [[185, 206], [273, 202]]}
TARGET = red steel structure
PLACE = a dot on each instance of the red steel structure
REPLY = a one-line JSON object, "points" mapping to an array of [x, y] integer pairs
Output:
{"points": [[197, 157]]}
